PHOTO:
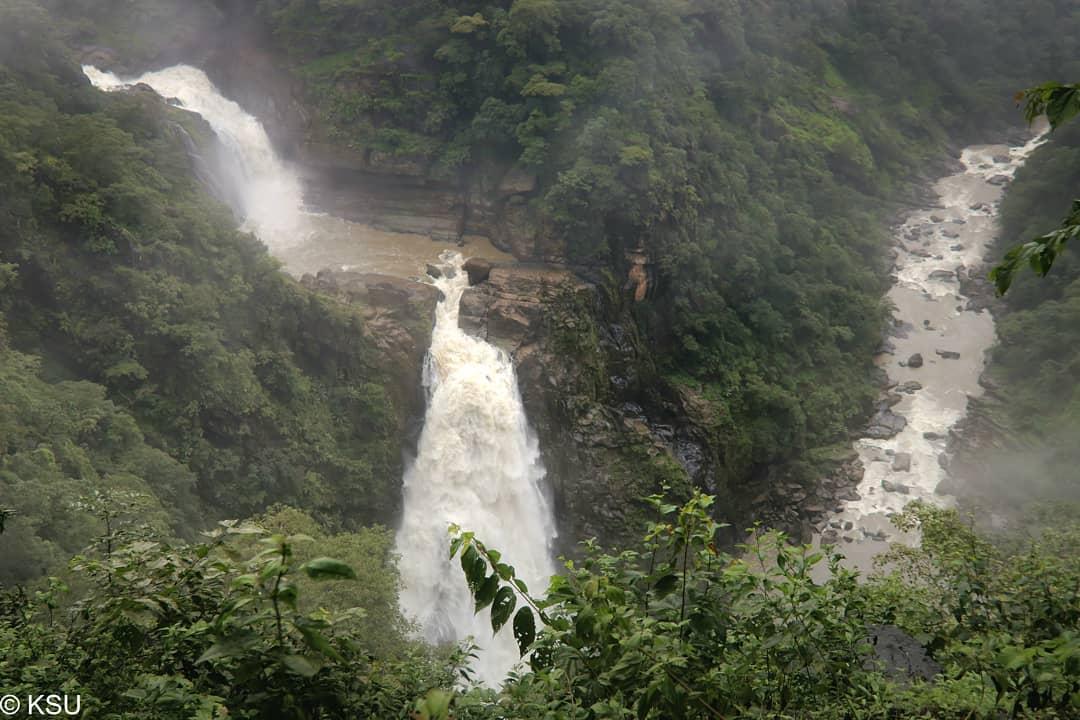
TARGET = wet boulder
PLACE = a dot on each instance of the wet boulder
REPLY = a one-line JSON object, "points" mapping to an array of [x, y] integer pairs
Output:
{"points": [[478, 270], [947, 354], [915, 361], [901, 656], [885, 424], [910, 387], [901, 462]]}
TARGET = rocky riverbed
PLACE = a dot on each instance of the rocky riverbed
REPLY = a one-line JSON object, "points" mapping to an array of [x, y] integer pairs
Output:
{"points": [[934, 353]]}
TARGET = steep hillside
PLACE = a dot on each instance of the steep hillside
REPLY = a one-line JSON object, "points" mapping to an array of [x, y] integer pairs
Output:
{"points": [[148, 346]]}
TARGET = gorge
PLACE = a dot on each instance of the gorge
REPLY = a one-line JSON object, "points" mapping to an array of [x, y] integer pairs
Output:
{"points": [[939, 301], [616, 291], [478, 464]]}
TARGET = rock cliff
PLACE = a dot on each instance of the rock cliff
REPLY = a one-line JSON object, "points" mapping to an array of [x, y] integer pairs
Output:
{"points": [[611, 429], [398, 316]]}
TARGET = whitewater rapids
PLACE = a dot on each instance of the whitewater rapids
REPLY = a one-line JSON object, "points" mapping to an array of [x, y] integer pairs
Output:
{"points": [[478, 465]]}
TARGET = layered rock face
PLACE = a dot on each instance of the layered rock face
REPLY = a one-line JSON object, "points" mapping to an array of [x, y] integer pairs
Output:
{"points": [[398, 316], [612, 431]]}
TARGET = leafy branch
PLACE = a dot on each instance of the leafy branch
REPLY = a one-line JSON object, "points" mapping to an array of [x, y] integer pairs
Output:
{"points": [[501, 589], [1059, 102]]}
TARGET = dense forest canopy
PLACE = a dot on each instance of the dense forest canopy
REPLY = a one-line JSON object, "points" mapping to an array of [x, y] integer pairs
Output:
{"points": [[158, 371], [747, 147]]}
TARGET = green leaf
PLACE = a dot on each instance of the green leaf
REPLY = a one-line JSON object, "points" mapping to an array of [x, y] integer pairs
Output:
{"points": [[665, 584], [436, 706], [288, 595], [227, 648], [324, 568], [301, 665], [524, 629], [505, 571], [243, 581], [504, 603], [319, 642], [474, 566], [485, 594]]}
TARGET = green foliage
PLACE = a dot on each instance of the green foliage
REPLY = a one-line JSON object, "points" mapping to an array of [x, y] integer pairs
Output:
{"points": [[673, 629], [1059, 103], [146, 344], [677, 629], [205, 630], [1010, 619], [60, 444], [1039, 253], [369, 552]]}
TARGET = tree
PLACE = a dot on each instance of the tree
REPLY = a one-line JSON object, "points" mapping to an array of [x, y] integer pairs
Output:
{"points": [[1059, 103]]}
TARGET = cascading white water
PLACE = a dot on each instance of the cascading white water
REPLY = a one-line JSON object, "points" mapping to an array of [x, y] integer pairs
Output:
{"points": [[478, 465], [269, 194]]}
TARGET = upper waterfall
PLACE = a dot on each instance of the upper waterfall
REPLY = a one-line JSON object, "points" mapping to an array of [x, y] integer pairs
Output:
{"points": [[269, 195], [479, 466]]}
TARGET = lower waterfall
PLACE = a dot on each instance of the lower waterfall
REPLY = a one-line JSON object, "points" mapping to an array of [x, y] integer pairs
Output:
{"points": [[478, 465]]}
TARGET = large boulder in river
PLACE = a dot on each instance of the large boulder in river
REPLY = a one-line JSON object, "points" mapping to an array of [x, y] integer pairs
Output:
{"points": [[901, 462], [478, 270], [885, 423], [915, 361], [948, 354]]}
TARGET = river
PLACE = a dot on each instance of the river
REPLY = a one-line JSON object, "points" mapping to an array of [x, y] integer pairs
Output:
{"points": [[935, 322]]}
